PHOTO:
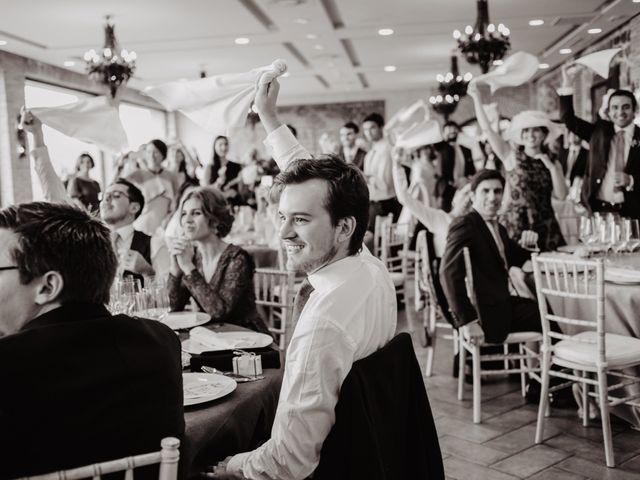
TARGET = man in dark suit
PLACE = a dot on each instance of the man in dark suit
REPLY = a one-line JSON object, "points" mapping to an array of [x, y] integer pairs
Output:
{"points": [[349, 151], [492, 252], [612, 178], [78, 385], [456, 165], [574, 159]]}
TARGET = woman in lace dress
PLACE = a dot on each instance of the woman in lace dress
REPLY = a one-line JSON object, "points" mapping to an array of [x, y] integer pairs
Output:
{"points": [[218, 275], [532, 177]]}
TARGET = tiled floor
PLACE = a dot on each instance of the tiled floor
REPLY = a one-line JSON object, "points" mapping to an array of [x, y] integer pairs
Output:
{"points": [[502, 447]]}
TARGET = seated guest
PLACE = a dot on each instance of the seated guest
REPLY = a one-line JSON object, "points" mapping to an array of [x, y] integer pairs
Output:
{"points": [[492, 253], [217, 274], [138, 254], [350, 152], [79, 385], [81, 187], [612, 177], [350, 309]]}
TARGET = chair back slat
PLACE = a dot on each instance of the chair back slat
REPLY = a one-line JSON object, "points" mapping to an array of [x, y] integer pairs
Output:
{"points": [[471, 293], [274, 292]]}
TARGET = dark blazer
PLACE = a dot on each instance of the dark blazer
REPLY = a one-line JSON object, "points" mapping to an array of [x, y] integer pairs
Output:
{"points": [[578, 168], [141, 243], [599, 136], [490, 278], [384, 428], [81, 386], [358, 160], [448, 159]]}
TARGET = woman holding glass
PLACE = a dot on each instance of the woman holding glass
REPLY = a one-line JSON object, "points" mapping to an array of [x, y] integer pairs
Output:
{"points": [[532, 177], [218, 275]]}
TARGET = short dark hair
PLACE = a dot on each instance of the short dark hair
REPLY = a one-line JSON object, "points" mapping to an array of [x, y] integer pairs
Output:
{"points": [[485, 174], [65, 239], [375, 118], [215, 208], [347, 191], [625, 93], [134, 193], [80, 157], [451, 123], [161, 146], [351, 126]]}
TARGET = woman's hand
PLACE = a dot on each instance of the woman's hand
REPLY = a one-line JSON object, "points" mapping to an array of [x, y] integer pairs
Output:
{"points": [[474, 92], [397, 155], [182, 252], [544, 158]]}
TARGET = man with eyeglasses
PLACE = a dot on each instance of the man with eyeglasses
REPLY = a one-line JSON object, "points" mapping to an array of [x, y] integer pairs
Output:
{"points": [[122, 203]]}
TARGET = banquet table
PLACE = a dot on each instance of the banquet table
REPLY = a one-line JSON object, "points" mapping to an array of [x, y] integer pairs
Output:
{"points": [[238, 422], [263, 255], [622, 304]]}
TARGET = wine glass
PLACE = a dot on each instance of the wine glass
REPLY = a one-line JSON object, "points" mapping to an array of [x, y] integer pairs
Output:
{"points": [[633, 233], [586, 230]]}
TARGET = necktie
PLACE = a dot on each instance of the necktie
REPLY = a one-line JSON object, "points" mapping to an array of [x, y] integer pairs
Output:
{"points": [[493, 224], [300, 301], [117, 242], [619, 149]]}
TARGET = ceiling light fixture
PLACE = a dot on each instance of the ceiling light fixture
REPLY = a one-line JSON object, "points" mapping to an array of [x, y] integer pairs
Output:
{"points": [[536, 22], [564, 51], [319, 47], [594, 31], [112, 66], [385, 32], [483, 43], [543, 66], [69, 63], [242, 40], [311, 36], [390, 68], [301, 21], [3, 42]]}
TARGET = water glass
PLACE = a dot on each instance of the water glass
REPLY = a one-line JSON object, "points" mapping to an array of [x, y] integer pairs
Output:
{"points": [[586, 230]]}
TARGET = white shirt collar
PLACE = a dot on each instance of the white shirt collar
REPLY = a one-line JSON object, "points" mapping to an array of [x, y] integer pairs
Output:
{"points": [[126, 233], [628, 130], [333, 274]]}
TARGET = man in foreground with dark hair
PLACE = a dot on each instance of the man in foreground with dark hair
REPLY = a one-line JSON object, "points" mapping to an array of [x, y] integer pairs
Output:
{"points": [[78, 385], [350, 152], [351, 308]]}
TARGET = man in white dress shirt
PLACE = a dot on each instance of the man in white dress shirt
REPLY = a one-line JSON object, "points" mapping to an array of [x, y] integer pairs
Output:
{"points": [[351, 309]]}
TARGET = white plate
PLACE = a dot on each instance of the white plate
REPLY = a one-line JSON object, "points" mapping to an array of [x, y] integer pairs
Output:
{"points": [[183, 320], [205, 387], [621, 279], [237, 339]]}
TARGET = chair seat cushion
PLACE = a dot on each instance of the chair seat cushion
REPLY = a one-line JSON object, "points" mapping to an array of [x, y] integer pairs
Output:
{"points": [[620, 349], [473, 331]]}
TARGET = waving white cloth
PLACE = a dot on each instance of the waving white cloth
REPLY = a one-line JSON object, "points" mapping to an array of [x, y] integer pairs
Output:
{"points": [[402, 116], [519, 68], [599, 61], [426, 132], [216, 103], [94, 120]]}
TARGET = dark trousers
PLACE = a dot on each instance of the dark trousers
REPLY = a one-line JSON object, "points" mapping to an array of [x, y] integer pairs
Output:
{"points": [[383, 207]]}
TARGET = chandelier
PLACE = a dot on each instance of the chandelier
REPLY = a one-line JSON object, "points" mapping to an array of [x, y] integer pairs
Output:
{"points": [[444, 105], [453, 83], [112, 66], [484, 43]]}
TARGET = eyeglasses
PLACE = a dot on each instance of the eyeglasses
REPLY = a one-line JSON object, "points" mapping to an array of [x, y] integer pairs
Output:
{"points": [[11, 267], [114, 195]]}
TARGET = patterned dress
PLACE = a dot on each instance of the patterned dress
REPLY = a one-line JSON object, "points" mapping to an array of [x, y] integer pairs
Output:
{"points": [[527, 203], [228, 297]]}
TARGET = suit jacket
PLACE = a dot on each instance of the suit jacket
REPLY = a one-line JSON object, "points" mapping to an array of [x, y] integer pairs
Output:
{"points": [[599, 136], [579, 166], [447, 153], [81, 386], [384, 428], [358, 160], [141, 243], [490, 277]]}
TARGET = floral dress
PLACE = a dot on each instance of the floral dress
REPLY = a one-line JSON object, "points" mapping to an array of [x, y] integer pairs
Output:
{"points": [[526, 204]]}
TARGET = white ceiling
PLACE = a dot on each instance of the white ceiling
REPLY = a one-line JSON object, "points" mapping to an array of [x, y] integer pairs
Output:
{"points": [[178, 38]]}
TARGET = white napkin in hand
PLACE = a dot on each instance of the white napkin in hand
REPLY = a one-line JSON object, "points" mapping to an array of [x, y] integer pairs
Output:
{"points": [[210, 339]]}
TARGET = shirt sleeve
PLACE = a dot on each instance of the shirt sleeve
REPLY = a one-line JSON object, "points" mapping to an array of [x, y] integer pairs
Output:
{"points": [[52, 187], [285, 147], [318, 361]]}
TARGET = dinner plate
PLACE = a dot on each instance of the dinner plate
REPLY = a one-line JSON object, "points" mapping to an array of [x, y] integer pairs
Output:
{"points": [[183, 320], [624, 278], [205, 387], [231, 340]]}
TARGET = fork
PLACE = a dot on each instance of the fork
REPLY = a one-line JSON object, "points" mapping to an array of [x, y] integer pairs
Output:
{"points": [[238, 378]]}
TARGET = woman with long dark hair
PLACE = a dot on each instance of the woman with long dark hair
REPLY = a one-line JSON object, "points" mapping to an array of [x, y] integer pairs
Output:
{"points": [[82, 188], [221, 170]]}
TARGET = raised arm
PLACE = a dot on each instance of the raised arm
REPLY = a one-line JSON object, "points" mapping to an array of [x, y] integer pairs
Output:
{"points": [[580, 127], [501, 147]]}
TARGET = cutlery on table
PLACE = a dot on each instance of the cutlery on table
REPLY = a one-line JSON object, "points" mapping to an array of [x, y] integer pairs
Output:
{"points": [[238, 378]]}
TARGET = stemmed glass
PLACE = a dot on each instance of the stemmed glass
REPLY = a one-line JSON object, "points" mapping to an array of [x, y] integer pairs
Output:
{"points": [[586, 230], [632, 233]]}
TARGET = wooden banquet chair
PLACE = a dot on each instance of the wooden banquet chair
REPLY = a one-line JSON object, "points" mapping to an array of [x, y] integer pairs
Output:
{"points": [[275, 291], [426, 302], [167, 458], [588, 357], [471, 340]]}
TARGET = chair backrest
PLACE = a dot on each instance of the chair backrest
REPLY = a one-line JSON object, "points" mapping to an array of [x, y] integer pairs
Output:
{"points": [[471, 293], [569, 277], [167, 458], [393, 240], [423, 279], [275, 291], [378, 231]]}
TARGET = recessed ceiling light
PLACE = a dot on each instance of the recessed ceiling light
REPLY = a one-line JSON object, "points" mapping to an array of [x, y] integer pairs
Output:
{"points": [[311, 36], [3, 42], [498, 62], [242, 41], [536, 22], [564, 51], [69, 63], [543, 66], [594, 31], [385, 32], [301, 21], [390, 68], [319, 47]]}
